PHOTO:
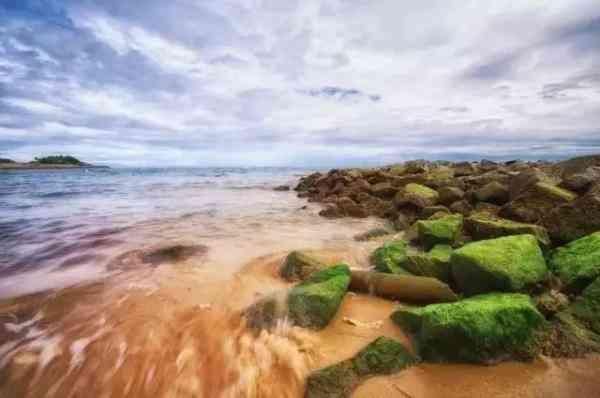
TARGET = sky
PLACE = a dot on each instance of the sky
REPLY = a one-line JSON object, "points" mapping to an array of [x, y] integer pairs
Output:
{"points": [[298, 82]]}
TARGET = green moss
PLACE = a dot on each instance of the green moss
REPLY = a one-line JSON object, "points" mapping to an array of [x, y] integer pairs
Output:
{"points": [[444, 230], [586, 308], [315, 301], [382, 356], [480, 329], [435, 263], [421, 191], [578, 263], [390, 257], [512, 263], [481, 226], [299, 265], [555, 192]]}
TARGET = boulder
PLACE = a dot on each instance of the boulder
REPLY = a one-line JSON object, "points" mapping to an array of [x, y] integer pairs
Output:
{"points": [[575, 219], [411, 288], [266, 312], [481, 226], [445, 230], [416, 194], [314, 302], [331, 211], [464, 169], [577, 263], [435, 263], [373, 233], [508, 264], [449, 195], [537, 202], [351, 208], [383, 356], [429, 211], [390, 257], [551, 302], [576, 165], [493, 192], [299, 265], [482, 329], [525, 180], [384, 190], [401, 222], [586, 308], [461, 207], [581, 182]]}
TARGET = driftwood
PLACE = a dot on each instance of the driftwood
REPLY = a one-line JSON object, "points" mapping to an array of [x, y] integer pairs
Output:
{"points": [[402, 287]]}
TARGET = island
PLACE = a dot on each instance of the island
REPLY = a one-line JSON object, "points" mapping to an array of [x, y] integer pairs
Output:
{"points": [[56, 162]]}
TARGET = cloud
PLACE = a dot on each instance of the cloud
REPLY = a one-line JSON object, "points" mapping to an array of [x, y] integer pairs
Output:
{"points": [[308, 82]]}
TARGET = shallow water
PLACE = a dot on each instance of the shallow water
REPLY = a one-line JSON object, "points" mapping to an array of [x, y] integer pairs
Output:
{"points": [[115, 324]]}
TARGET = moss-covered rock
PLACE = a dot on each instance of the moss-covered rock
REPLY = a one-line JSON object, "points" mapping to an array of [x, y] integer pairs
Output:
{"points": [[482, 226], [299, 265], [493, 192], [480, 329], [508, 264], [390, 257], [444, 230], [577, 263], [537, 202], [315, 301], [435, 263], [381, 357], [417, 195], [586, 307]]}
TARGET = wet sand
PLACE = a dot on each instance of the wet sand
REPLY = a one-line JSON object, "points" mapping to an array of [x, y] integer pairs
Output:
{"points": [[174, 329]]}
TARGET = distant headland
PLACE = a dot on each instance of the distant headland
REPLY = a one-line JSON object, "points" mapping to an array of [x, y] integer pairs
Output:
{"points": [[59, 162]]}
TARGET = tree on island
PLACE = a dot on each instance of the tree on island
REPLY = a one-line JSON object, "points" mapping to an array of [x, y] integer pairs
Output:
{"points": [[6, 160], [60, 159]]}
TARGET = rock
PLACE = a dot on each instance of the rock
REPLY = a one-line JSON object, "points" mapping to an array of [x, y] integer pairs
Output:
{"points": [[449, 195], [350, 208], [384, 190], [461, 207], [266, 312], [390, 257], [568, 337], [586, 308], [508, 264], [416, 194], [331, 211], [299, 265], [537, 202], [407, 287], [445, 230], [481, 226], [282, 188], [429, 211], [371, 234], [576, 165], [381, 357], [551, 302], [575, 219], [416, 166], [493, 192], [375, 206], [401, 222], [490, 209], [577, 263], [581, 182], [482, 329], [314, 302], [464, 169], [525, 180], [435, 263]]}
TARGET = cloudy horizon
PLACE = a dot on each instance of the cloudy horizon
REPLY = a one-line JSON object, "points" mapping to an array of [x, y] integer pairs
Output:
{"points": [[298, 83]]}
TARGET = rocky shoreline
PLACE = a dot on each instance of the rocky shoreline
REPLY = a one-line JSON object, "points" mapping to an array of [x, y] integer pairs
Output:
{"points": [[493, 262]]}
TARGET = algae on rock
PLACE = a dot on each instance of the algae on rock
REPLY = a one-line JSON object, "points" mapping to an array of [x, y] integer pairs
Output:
{"points": [[577, 263], [299, 265], [481, 226], [314, 302], [444, 230], [480, 329], [508, 264], [381, 357], [435, 263], [390, 257]]}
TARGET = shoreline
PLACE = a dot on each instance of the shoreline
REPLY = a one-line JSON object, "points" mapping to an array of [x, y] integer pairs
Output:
{"points": [[45, 167]]}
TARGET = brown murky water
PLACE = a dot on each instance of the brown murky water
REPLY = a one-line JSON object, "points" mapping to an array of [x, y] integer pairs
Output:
{"points": [[174, 329]]}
